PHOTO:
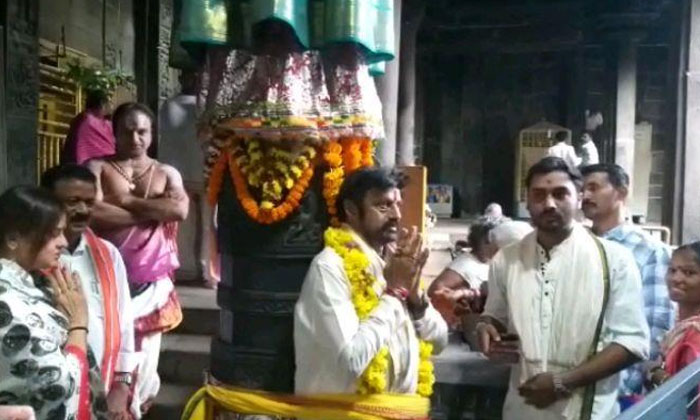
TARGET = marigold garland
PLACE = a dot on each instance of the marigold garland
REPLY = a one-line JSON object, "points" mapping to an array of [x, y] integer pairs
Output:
{"points": [[268, 214], [365, 300], [342, 158]]}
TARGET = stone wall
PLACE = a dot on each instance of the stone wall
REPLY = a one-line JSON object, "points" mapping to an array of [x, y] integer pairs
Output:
{"points": [[471, 108], [81, 21], [474, 106]]}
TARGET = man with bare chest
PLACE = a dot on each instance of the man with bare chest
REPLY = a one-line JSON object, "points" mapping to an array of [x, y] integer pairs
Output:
{"points": [[139, 204]]}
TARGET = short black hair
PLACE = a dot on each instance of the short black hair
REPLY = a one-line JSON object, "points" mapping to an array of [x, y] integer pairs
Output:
{"points": [[359, 183], [95, 99], [50, 178], [479, 230], [554, 164], [561, 136], [616, 174], [29, 212], [126, 109], [693, 247]]}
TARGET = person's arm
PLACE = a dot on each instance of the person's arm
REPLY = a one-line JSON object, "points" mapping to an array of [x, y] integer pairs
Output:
{"points": [[106, 216], [127, 360], [494, 320], [658, 309], [327, 313], [173, 207]]}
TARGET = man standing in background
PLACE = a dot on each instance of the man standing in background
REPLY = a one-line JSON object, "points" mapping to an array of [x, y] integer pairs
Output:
{"points": [[182, 150]]}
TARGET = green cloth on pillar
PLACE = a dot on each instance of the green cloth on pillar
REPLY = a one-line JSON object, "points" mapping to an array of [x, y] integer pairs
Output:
{"points": [[317, 24]]}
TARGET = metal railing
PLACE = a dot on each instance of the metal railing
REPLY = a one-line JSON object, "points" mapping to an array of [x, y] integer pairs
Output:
{"points": [[674, 400]]}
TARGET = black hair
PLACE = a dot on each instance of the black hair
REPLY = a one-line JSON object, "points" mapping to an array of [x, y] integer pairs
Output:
{"points": [[553, 164], [30, 212], [95, 99], [616, 174], [359, 183], [479, 231], [52, 176], [561, 136], [693, 247], [126, 109]]}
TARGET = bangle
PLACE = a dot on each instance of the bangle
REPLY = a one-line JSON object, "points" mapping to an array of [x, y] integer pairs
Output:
{"points": [[70, 330], [400, 293]]}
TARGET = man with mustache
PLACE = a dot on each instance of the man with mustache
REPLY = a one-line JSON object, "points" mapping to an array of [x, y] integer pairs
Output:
{"points": [[333, 344], [103, 276], [566, 304], [605, 192]]}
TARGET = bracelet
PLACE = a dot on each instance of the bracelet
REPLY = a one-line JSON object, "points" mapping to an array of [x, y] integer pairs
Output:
{"points": [[70, 330], [400, 293]]}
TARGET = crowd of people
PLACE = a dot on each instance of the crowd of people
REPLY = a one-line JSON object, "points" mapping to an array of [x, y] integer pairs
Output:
{"points": [[591, 318], [86, 275]]}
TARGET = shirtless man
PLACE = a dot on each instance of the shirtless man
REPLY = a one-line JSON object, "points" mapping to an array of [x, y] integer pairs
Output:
{"points": [[139, 203]]}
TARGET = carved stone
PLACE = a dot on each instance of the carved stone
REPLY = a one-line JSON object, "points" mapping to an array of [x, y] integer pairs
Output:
{"points": [[21, 89], [263, 268]]}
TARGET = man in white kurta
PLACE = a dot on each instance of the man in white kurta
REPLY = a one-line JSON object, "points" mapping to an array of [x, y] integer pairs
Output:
{"points": [[332, 346], [552, 298], [104, 281]]}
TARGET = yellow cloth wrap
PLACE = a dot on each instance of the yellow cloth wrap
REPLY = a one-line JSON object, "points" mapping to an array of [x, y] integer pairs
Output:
{"points": [[316, 407]]}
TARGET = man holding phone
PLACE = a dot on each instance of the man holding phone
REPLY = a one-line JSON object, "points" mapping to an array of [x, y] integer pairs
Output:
{"points": [[564, 307]]}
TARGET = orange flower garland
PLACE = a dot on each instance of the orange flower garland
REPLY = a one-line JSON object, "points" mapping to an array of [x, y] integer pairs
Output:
{"points": [[343, 157], [275, 214]]}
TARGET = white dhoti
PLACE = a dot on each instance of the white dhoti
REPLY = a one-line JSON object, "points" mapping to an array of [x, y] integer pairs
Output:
{"points": [[156, 310]]}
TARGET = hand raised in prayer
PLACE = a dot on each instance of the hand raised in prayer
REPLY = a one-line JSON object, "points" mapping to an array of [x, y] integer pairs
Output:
{"points": [[405, 262], [68, 295], [539, 391]]}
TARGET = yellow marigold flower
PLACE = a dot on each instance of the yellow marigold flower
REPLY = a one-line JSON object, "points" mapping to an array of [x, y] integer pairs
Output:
{"points": [[266, 205]]}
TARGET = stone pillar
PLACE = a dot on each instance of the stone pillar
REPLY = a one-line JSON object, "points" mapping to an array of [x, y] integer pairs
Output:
{"points": [[155, 80], [3, 121], [413, 13], [690, 150], [625, 106], [21, 89], [388, 90]]}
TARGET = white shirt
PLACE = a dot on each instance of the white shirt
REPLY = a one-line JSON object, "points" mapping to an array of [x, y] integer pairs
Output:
{"points": [[589, 153], [81, 262], [333, 348], [566, 152], [470, 269], [550, 301]]}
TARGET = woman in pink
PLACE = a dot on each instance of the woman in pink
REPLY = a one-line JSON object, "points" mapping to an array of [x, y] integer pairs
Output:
{"points": [[681, 346], [90, 135]]}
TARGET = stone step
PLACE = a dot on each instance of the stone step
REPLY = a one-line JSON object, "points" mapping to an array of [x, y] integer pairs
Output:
{"points": [[200, 311], [184, 358], [170, 402]]}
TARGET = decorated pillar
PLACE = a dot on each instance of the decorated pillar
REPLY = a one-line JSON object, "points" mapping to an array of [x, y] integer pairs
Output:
{"points": [[285, 116]]}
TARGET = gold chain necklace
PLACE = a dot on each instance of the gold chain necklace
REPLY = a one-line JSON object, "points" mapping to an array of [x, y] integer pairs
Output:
{"points": [[131, 179]]}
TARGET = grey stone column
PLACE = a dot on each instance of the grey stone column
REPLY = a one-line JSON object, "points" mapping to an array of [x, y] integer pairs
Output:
{"points": [[412, 16], [388, 90], [625, 108], [21, 89], [690, 148]]}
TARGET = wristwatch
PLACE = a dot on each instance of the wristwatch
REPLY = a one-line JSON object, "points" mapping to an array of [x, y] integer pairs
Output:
{"points": [[124, 378], [561, 390]]}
